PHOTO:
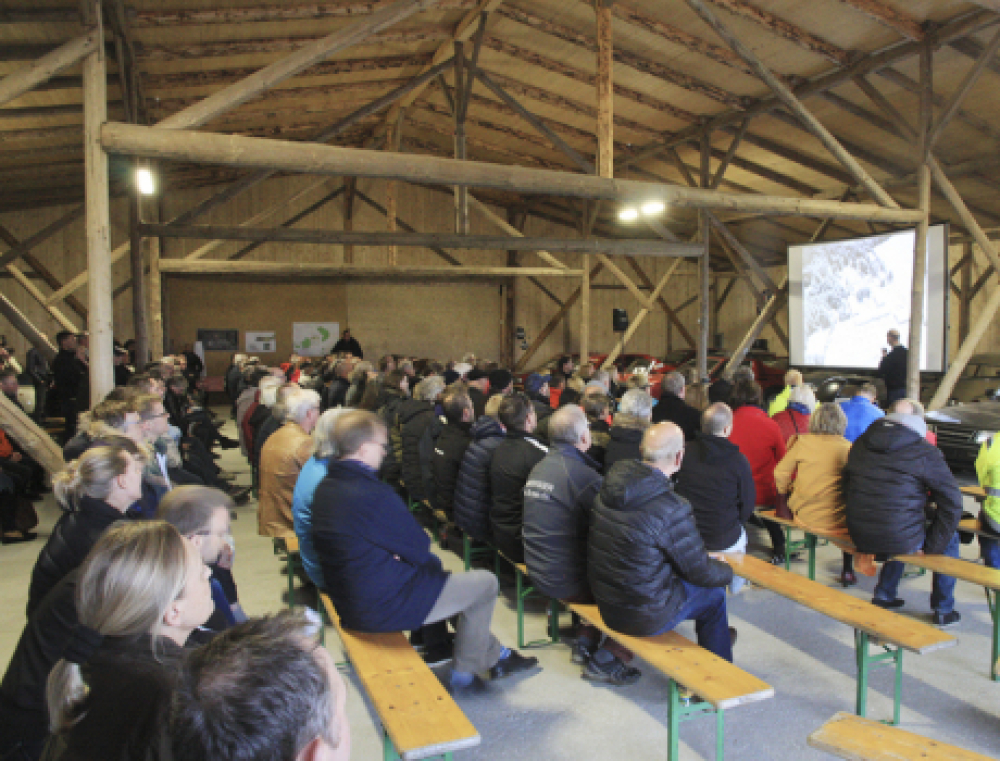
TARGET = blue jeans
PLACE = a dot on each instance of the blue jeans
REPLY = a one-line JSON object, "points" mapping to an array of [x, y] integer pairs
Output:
{"points": [[989, 551], [706, 606], [942, 587]]}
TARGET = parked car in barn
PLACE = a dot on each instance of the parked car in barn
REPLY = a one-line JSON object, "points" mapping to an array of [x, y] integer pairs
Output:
{"points": [[961, 430]]}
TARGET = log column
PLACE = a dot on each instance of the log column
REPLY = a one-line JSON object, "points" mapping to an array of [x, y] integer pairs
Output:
{"points": [[156, 291], [704, 269], [98, 216], [916, 340]]}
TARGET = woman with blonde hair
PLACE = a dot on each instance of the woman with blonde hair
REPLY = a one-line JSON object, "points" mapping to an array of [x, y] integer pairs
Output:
{"points": [[94, 491], [810, 474], [143, 589]]}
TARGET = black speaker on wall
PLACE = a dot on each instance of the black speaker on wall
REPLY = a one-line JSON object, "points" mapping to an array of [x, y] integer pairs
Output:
{"points": [[619, 320]]}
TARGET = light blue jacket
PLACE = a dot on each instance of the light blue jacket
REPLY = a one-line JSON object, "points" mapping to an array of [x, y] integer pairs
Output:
{"points": [[310, 476]]}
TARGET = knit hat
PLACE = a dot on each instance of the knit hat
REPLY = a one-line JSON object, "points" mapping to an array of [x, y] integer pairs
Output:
{"points": [[499, 380], [476, 374]]}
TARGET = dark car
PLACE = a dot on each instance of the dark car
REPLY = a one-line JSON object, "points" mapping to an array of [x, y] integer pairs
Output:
{"points": [[961, 430], [835, 388]]}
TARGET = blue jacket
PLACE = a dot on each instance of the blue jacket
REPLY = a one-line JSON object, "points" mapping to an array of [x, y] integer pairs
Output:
{"points": [[302, 501], [861, 413], [377, 561]]}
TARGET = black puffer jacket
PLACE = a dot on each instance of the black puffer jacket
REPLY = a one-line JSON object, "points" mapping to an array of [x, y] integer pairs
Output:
{"points": [[558, 500], [717, 480], [336, 393], [391, 470], [891, 474], [675, 410], [71, 539], [472, 489], [643, 540], [419, 426], [449, 449], [512, 463], [623, 444]]}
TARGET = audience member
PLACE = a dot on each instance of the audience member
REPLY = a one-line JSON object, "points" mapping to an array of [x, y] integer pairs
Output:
{"points": [[794, 418], [716, 478], [988, 473], [479, 385], [395, 391], [263, 690], [630, 422], [598, 412], [811, 474], [68, 373], [142, 592], [94, 492], [336, 393], [276, 417], [281, 460], [646, 561], [247, 401], [501, 382], [472, 488], [672, 407], [38, 369], [450, 446], [565, 366], [510, 466], [418, 427], [861, 411], [558, 500], [387, 577], [557, 384], [759, 439], [892, 472], [793, 380], [696, 396], [892, 367], [362, 373]]}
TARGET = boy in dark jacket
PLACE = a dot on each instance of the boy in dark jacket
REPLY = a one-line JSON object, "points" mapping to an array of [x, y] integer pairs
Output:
{"points": [[472, 488], [646, 561], [449, 449], [717, 480], [892, 473], [380, 571], [510, 467], [558, 500]]}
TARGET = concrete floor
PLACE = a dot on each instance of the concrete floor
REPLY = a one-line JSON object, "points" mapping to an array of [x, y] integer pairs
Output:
{"points": [[554, 714]]}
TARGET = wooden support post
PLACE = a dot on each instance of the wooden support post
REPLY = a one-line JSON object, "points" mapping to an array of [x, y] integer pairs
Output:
{"points": [[156, 291], [585, 310], [32, 439], [704, 264], [46, 67], [23, 325], [461, 89], [965, 296], [351, 184], [786, 96], [98, 216], [917, 297], [605, 89], [391, 190], [138, 268]]}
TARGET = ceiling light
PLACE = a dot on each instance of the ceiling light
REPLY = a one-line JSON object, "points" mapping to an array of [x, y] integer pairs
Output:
{"points": [[652, 208], [144, 181], [628, 214]]}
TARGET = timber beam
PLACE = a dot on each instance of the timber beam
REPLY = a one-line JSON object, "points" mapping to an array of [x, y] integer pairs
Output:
{"points": [[322, 269]]}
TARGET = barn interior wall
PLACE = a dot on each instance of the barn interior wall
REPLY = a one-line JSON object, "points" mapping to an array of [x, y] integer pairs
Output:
{"points": [[426, 319]]}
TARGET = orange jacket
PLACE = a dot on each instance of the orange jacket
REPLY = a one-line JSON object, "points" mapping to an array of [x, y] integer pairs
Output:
{"points": [[6, 448]]}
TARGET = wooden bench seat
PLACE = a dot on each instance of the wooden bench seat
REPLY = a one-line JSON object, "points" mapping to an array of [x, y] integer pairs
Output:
{"points": [[718, 683], [895, 633], [860, 739], [419, 718], [987, 578]]}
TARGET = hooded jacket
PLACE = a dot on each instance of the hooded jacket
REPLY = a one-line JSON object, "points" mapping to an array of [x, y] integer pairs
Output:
{"points": [[472, 487], [623, 444], [558, 500], [510, 467], [891, 474], [675, 410], [717, 480], [419, 427], [760, 441], [643, 540], [446, 460], [376, 559], [392, 467]]}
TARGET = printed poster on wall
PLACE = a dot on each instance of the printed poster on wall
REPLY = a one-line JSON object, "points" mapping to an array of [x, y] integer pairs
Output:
{"points": [[314, 339], [261, 341]]}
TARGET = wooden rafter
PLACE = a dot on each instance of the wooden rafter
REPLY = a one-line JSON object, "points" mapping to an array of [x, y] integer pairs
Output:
{"points": [[889, 16]]}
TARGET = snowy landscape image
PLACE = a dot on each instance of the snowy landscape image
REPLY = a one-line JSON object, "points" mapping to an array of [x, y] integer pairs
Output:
{"points": [[853, 293]]}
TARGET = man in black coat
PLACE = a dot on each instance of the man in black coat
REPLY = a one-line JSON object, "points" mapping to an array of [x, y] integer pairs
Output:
{"points": [[717, 480], [336, 393], [647, 564], [674, 409], [472, 488], [349, 345], [892, 474], [68, 373], [479, 385], [419, 427], [558, 500], [510, 467], [892, 368], [449, 449]]}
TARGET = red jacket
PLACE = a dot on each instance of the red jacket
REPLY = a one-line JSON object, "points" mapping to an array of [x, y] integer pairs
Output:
{"points": [[6, 448], [791, 422], [759, 439]]}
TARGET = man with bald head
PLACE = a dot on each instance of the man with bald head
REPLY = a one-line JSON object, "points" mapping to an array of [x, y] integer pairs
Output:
{"points": [[717, 480], [646, 560]]}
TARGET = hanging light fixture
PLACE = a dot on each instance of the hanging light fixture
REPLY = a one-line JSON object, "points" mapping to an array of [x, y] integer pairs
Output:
{"points": [[628, 214], [144, 181], [652, 208]]}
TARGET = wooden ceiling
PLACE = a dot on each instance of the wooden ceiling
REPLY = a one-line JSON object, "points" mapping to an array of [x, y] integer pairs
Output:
{"points": [[672, 75]]}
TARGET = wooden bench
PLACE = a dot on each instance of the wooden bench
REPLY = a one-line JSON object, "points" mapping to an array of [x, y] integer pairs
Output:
{"points": [[860, 739], [987, 578], [524, 590], [293, 561], [894, 632], [419, 718], [717, 682]]}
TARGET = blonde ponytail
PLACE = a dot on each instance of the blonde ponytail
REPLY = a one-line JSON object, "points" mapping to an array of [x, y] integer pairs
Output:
{"points": [[94, 473]]}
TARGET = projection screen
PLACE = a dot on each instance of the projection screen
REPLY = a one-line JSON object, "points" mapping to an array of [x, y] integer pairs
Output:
{"points": [[845, 295]]}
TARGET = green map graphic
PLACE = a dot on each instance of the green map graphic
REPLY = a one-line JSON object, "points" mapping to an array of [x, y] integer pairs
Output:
{"points": [[317, 338]]}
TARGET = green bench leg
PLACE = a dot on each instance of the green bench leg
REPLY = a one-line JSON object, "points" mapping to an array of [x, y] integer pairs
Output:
{"points": [[470, 553], [389, 751], [290, 564], [991, 600], [788, 548], [524, 591], [914, 574], [811, 547], [867, 661], [678, 712]]}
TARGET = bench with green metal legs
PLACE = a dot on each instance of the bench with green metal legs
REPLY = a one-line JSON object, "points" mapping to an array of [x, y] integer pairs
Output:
{"points": [[678, 710], [470, 553], [524, 590]]}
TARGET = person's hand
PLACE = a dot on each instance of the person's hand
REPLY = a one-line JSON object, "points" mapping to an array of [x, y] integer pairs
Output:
{"points": [[226, 557]]}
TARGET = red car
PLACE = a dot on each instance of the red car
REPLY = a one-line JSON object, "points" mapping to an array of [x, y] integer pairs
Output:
{"points": [[768, 369]]}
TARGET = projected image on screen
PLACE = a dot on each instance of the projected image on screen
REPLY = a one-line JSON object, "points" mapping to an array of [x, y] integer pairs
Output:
{"points": [[844, 296]]}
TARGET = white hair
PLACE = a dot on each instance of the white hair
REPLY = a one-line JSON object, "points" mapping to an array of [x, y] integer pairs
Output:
{"points": [[568, 425], [323, 433], [429, 389], [269, 390], [602, 377], [803, 395], [299, 404], [636, 403]]}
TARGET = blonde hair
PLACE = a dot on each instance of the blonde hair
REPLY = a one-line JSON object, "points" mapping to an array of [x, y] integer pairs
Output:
{"points": [[129, 579], [828, 418], [803, 395], [493, 406], [94, 473]]}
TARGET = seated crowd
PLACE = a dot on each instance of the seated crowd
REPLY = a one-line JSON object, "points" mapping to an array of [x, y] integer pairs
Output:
{"points": [[135, 638]]}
